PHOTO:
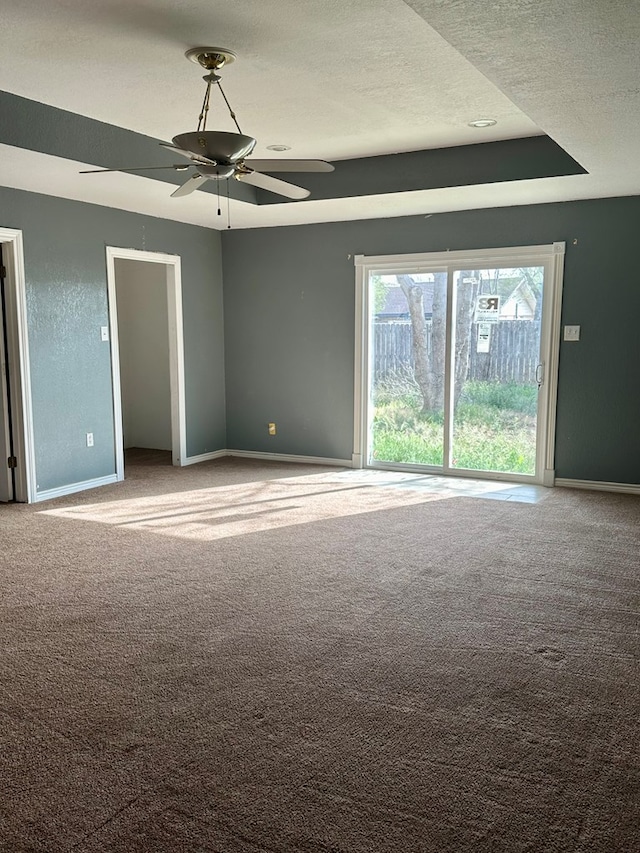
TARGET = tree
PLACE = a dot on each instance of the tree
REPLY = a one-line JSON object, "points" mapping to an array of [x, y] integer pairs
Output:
{"points": [[428, 361], [466, 299], [429, 355], [534, 276], [380, 290]]}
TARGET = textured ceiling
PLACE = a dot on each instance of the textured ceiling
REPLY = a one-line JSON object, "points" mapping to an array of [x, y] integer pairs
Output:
{"points": [[331, 79], [336, 80]]}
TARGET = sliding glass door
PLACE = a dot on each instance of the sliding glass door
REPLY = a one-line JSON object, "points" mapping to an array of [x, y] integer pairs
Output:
{"points": [[497, 363], [407, 376], [454, 364]]}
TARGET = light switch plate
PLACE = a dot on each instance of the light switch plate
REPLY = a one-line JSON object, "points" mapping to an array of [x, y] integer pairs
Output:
{"points": [[104, 333], [572, 333]]}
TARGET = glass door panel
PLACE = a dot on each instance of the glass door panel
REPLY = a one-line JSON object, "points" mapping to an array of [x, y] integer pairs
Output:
{"points": [[407, 357], [497, 324]]}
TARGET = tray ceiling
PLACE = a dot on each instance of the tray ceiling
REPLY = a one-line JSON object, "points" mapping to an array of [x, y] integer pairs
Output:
{"points": [[355, 82]]}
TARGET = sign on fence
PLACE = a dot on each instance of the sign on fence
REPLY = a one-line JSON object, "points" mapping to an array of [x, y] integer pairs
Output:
{"points": [[487, 309], [484, 337]]}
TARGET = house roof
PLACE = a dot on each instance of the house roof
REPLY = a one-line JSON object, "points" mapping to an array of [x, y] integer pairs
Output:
{"points": [[385, 89], [395, 304]]}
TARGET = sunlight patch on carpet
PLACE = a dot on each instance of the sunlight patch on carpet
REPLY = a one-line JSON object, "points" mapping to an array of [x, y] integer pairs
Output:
{"points": [[209, 514]]}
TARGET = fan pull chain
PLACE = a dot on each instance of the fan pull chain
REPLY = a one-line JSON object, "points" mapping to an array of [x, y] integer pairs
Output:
{"points": [[231, 112], [228, 205], [218, 189]]}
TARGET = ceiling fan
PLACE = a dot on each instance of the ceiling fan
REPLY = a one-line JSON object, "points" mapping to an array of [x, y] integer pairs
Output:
{"points": [[220, 155]]}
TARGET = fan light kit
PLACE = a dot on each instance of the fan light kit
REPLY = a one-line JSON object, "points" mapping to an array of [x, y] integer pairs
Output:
{"points": [[219, 155]]}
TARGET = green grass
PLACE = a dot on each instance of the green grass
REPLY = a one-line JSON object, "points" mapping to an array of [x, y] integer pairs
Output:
{"points": [[502, 396], [494, 428]]}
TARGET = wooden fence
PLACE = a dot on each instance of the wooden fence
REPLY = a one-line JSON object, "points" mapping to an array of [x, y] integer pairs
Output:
{"points": [[513, 351]]}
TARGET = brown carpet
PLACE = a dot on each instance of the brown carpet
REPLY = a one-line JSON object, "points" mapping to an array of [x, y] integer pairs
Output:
{"points": [[245, 657]]}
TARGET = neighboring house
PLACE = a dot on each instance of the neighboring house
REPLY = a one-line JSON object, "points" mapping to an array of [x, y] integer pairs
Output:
{"points": [[521, 304], [394, 309]]}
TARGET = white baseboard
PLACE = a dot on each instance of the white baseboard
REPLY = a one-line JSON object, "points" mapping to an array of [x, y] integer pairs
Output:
{"points": [[285, 457], [72, 488], [203, 457], [599, 486]]}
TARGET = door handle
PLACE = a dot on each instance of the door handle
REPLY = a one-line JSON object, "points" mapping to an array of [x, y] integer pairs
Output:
{"points": [[540, 374]]}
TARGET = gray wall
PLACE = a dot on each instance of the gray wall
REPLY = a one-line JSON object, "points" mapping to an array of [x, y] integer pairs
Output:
{"points": [[143, 343], [289, 326], [64, 245]]}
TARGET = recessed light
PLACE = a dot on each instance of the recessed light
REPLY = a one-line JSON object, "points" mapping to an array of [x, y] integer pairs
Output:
{"points": [[278, 148], [483, 122]]}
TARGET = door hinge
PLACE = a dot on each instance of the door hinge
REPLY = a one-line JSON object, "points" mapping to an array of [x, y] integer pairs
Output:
{"points": [[3, 272], [12, 462]]}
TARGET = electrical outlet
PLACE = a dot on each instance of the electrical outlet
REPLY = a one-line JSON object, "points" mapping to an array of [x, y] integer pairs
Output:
{"points": [[89, 439], [104, 333], [272, 429]]}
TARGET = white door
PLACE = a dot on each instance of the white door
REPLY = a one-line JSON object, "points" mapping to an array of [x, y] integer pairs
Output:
{"points": [[6, 472], [6, 443], [16, 423]]}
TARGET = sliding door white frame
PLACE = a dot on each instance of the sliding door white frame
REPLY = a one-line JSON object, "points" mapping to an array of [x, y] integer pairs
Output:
{"points": [[551, 257]]}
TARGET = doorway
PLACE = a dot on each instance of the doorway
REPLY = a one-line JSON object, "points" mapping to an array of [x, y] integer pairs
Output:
{"points": [[145, 313], [457, 362], [17, 463]]}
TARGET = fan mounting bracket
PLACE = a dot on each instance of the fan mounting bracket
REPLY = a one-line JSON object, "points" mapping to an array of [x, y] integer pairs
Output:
{"points": [[210, 58]]}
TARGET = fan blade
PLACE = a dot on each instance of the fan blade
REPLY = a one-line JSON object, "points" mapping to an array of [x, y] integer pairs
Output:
{"points": [[289, 165], [178, 168], [195, 157], [189, 186], [274, 185]]}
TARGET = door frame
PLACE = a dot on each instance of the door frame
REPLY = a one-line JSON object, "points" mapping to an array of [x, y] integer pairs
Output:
{"points": [[19, 368], [173, 267], [551, 257]]}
